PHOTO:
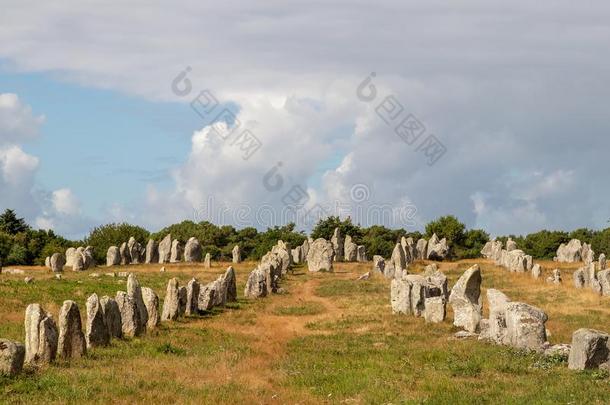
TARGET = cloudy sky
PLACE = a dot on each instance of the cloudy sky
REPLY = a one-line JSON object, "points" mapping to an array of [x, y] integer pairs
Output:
{"points": [[497, 112]]}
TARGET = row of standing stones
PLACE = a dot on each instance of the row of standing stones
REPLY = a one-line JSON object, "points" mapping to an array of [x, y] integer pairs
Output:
{"points": [[129, 314]]}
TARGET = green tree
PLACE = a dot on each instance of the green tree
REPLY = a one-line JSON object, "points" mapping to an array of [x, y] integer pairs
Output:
{"points": [[11, 224]]}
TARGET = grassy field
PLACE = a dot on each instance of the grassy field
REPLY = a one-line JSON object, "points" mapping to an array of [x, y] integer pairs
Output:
{"points": [[329, 339]]}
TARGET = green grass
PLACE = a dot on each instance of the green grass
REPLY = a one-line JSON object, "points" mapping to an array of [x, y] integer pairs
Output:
{"points": [[304, 309]]}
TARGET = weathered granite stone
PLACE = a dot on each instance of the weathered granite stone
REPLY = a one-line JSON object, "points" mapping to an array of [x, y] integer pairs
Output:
{"points": [[152, 252], [57, 262], [350, 249], [12, 355], [604, 281], [569, 253], [165, 249], [256, 286], [41, 336], [437, 249], [177, 252], [182, 295], [151, 303], [361, 254], [397, 264], [497, 316], [320, 257], [435, 310], [71, 342], [96, 329], [554, 278], [229, 281], [422, 249], [207, 294], [78, 264], [400, 296], [135, 250], [465, 299], [236, 254], [113, 256], [305, 249], [131, 325], [125, 254], [511, 245], [590, 349], [579, 278], [192, 251], [112, 315], [70, 254], [135, 292], [525, 326], [297, 255], [338, 241], [192, 297], [378, 264], [536, 271], [207, 262]]}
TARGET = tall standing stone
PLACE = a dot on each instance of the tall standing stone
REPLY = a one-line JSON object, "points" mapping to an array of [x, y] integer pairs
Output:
{"points": [[125, 254], [192, 297], [604, 281], [96, 329], [41, 336], [57, 262], [112, 315], [70, 254], [297, 255], [320, 257], [171, 304], [350, 249], [165, 249], [130, 317], [236, 252], [465, 299], [12, 355], [177, 252], [71, 343], [135, 292], [422, 249], [229, 280], [207, 262], [113, 256], [192, 251], [152, 252], [151, 302], [338, 245], [397, 264]]}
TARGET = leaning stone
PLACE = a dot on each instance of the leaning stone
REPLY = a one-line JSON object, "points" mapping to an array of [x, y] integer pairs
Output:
{"points": [[434, 309], [96, 329], [112, 315], [71, 343], [130, 317], [192, 297], [151, 303], [41, 336], [590, 349], [437, 249], [320, 256], [57, 262], [171, 303], [12, 355], [465, 299], [525, 326], [135, 292]]}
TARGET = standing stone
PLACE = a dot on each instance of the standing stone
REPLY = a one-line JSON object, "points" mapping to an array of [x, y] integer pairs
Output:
{"points": [[88, 257], [587, 254], [171, 304], [57, 262], [590, 349], [487, 249], [135, 292], [112, 315], [350, 249], [435, 311], [151, 303], [438, 279], [192, 251], [71, 343], [41, 336], [305, 249], [207, 294], [236, 252], [437, 249], [579, 278], [525, 326], [70, 254], [378, 264], [297, 255], [511, 245], [125, 254], [602, 262], [207, 262], [604, 281], [536, 271], [569, 253], [113, 256], [422, 249], [152, 252], [177, 252], [400, 296], [320, 256], [47, 262], [130, 317], [361, 255], [397, 265], [96, 329], [283, 251], [229, 280], [165, 249], [465, 299], [554, 278], [135, 250], [192, 297], [256, 286], [78, 264], [338, 245], [182, 295], [12, 355], [497, 316]]}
